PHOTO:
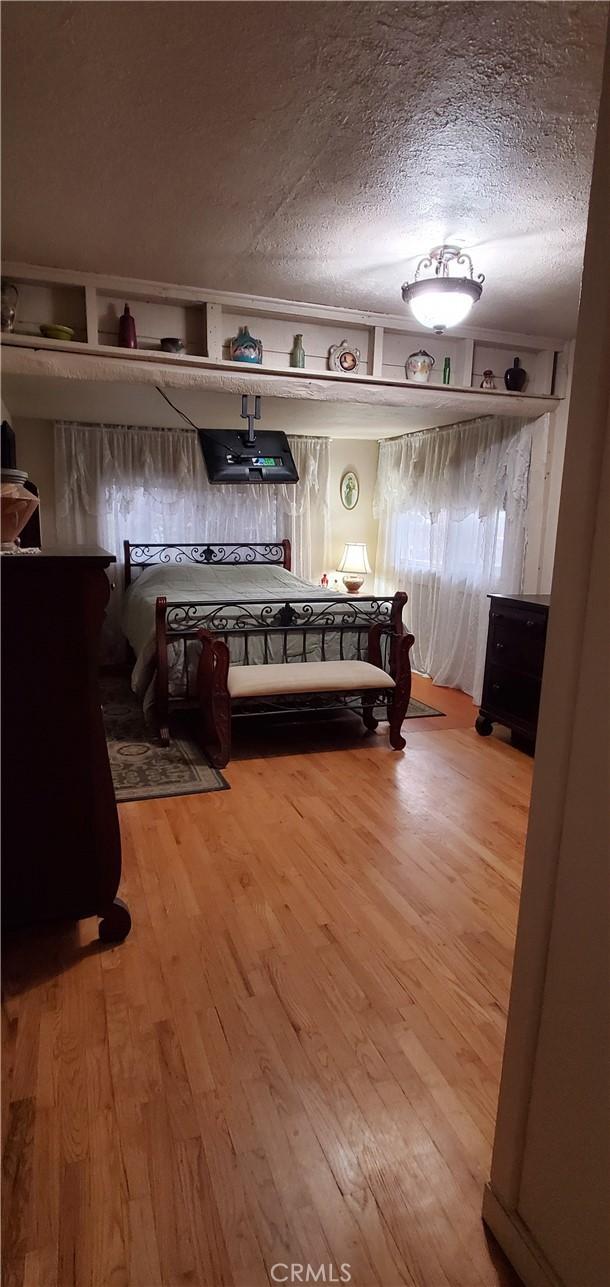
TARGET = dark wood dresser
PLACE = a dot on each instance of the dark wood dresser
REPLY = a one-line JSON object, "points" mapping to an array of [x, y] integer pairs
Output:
{"points": [[61, 847], [513, 665]]}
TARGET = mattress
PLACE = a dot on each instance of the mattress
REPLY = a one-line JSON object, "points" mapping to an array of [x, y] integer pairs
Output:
{"points": [[202, 584]]}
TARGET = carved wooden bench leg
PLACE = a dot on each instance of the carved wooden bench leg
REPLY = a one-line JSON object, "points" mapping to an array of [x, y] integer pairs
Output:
{"points": [[214, 699], [368, 706], [162, 676], [402, 692], [217, 731]]}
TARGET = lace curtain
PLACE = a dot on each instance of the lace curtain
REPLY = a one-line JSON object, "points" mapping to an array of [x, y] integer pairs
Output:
{"points": [[452, 507], [119, 482]]}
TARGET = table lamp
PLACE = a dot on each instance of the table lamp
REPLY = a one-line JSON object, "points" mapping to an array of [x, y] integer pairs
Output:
{"points": [[355, 564]]}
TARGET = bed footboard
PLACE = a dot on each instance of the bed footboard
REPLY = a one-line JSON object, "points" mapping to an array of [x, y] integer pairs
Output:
{"points": [[161, 671]]}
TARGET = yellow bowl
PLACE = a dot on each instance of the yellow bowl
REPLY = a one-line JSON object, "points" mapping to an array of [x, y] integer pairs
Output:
{"points": [[57, 332]]}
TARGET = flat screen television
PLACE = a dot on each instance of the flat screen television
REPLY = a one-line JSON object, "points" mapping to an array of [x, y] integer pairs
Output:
{"points": [[231, 457]]}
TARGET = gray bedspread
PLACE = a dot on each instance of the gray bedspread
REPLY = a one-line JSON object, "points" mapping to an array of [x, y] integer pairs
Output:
{"points": [[204, 584]]}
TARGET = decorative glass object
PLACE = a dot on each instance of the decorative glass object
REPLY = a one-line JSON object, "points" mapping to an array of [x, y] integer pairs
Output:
{"points": [[127, 330], [17, 505], [297, 353], [447, 371], [245, 348], [418, 366], [515, 377], [10, 297]]}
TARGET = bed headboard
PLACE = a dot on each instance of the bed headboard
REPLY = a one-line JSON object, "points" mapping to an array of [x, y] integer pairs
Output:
{"points": [[206, 552]]}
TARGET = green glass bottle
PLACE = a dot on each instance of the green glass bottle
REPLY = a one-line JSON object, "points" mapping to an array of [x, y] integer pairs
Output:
{"points": [[447, 371], [297, 352]]}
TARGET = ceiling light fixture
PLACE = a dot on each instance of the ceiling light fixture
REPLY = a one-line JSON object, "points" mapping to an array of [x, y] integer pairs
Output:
{"points": [[441, 300]]}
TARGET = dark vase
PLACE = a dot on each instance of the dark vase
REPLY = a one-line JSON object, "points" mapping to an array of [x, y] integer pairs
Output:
{"points": [[127, 330], [515, 377]]}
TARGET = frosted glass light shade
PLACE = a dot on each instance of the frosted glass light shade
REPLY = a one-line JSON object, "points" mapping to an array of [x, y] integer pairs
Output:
{"points": [[355, 559], [438, 309]]}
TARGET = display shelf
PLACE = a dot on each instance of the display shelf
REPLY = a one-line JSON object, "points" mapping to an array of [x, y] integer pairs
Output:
{"points": [[73, 362], [206, 320]]}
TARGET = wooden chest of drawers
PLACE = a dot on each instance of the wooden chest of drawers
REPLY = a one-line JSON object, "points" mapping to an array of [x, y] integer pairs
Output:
{"points": [[61, 846], [513, 665]]}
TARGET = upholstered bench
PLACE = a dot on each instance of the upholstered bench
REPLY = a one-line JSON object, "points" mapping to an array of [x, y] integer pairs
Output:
{"points": [[221, 685]]}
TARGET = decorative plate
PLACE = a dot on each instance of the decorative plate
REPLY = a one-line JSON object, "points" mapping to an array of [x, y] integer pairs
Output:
{"points": [[343, 357], [350, 489]]}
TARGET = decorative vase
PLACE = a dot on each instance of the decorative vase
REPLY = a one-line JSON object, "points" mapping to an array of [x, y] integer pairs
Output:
{"points": [[515, 377], [297, 352], [127, 330], [245, 348], [418, 366], [171, 344], [17, 505], [10, 297]]}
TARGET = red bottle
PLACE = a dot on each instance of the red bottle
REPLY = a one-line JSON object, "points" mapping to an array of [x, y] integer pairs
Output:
{"points": [[127, 330]]}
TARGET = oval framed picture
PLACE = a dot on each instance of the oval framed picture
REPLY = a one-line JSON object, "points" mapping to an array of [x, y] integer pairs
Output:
{"points": [[350, 489]]}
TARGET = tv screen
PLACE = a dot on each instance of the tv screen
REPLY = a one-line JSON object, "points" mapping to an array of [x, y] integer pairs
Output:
{"points": [[230, 458]]}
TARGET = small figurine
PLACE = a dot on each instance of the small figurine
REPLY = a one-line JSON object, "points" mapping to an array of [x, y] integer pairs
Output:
{"points": [[244, 348], [488, 381], [515, 377], [324, 581]]}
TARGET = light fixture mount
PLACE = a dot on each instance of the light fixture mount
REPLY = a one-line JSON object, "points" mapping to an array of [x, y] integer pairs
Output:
{"points": [[440, 300]]}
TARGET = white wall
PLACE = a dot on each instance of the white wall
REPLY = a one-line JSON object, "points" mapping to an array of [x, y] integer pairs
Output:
{"points": [[549, 1194], [356, 524]]}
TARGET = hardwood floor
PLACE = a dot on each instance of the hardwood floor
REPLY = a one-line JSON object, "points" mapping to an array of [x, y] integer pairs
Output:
{"points": [[294, 1059]]}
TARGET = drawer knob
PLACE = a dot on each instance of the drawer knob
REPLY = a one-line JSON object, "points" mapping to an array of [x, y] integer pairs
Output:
{"points": [[496, 688], [499, 647], [530, 623]]}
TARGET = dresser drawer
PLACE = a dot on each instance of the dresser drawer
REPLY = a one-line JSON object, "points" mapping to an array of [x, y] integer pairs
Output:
{"points": [[517, 639], [508, 693]]}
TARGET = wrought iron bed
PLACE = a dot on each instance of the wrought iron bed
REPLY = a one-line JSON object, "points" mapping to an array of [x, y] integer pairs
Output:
{"points": [[287, 623]]}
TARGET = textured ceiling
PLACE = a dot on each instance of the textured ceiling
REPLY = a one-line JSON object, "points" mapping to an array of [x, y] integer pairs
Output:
{"points": [[306, 150]]}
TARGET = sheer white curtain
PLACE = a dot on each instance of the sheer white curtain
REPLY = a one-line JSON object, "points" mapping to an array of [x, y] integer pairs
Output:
{"points": [[303, 511], [120, 482], [452, 506]]}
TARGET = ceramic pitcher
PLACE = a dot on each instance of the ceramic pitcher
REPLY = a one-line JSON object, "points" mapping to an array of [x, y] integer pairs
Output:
{"points": [[419, 365]]}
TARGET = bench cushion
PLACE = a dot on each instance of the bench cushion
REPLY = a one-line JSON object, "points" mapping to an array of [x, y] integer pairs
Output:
{"points": [[306, 677]]}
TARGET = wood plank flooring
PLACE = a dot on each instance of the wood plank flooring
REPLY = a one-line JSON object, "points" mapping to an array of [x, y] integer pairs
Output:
{"points": [[294, 1059]]}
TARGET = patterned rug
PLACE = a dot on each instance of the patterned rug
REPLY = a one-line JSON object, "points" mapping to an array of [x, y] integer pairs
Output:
{"points": [[142, 769]]}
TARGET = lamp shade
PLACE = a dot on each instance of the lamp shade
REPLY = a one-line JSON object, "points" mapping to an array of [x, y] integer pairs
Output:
{"points": [[441, 300], [438, 308], [355, 559]]}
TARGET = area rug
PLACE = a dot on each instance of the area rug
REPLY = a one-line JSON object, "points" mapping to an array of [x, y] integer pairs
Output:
{"points": [[417, 710], [142, 769]]}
